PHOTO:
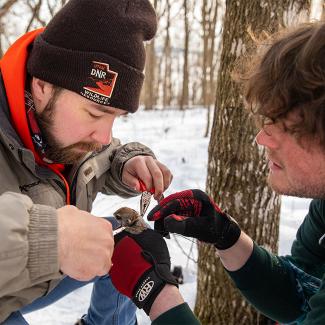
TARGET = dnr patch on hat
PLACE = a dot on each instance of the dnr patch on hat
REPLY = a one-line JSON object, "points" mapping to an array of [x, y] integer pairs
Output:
{"points": [[100, 83]]}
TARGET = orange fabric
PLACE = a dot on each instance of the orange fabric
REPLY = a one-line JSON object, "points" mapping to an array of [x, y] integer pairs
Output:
{"points": [[13, 69], [58, 172]]}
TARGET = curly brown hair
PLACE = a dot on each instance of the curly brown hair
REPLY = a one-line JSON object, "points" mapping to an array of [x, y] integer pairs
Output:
{"points": [[287, 74]]}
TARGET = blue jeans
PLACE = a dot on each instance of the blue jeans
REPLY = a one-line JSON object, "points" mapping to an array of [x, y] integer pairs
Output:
{"points": [[107, 305]]}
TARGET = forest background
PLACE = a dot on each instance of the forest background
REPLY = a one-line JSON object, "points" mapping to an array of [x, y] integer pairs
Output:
{"points": [[189, 65]]}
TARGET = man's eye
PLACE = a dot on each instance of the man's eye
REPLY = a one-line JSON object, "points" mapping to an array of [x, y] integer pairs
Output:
{"points": [[94, 116]]}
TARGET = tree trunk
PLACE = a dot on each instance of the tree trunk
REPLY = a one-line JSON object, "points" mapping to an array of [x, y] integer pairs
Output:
{"points": [[185, 90], [148, 92], [209, 22], [237, 168], [323, 11], [167, 91], [4, 9], [5, 6]]}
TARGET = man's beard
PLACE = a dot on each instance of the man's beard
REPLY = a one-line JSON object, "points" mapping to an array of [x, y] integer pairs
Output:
{"points": [[299, 189], [55, 151]]}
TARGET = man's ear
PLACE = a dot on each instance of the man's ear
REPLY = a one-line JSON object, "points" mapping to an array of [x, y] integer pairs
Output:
{"points": [[42, 92]]}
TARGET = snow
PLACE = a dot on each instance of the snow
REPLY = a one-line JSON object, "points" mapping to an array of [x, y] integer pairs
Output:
{"points": [[316, 10], [177, 139]]}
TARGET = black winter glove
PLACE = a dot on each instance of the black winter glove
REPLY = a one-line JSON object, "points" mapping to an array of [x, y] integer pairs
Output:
{"points": [[192, 213], [141, 266]]}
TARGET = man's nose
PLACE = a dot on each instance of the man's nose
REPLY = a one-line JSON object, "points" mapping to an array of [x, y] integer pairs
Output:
{"points": [[103, 136], [266, 140]]}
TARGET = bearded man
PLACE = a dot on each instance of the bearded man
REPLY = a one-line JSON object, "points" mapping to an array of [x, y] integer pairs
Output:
{"points": [[61, 88]]}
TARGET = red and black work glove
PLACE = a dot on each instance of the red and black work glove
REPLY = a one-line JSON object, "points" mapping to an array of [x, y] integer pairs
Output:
{"points": [[193, 213], [141, 266]]}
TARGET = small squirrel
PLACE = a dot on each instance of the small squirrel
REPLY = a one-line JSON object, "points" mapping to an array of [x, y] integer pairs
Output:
{"points": [[130, 219]]}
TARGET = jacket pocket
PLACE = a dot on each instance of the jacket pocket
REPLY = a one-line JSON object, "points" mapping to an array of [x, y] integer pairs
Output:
{"points": [[44, 193]]}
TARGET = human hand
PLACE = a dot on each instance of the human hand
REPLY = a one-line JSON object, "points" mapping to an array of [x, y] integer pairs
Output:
{"points": [[153, 174], [141, 267], [86, 244], [192, 213]]}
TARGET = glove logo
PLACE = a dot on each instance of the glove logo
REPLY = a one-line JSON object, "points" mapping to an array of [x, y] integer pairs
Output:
{"points": [[145, 290]]}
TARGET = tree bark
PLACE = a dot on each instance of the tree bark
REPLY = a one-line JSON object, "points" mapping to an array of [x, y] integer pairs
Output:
{"points": [[35, 10], [185, 89], [167, 88], [148, 94], [323, 11], [209, 23], [237, 168], [4, 9]]}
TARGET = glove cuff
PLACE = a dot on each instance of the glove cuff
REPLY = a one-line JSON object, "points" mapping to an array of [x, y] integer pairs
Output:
{"points": [[150, 285], [230, 234]]}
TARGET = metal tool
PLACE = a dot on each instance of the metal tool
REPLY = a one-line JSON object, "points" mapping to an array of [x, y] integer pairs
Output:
{"points": [[144, 204], [118, 230], [145, 198]]}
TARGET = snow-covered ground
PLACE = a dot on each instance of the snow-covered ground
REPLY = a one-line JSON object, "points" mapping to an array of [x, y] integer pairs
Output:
{"points": [[177, 139]]}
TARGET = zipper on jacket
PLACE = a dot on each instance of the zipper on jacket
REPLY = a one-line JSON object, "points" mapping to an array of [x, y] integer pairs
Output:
{"points": [[25, 188], [74, 180], [67, 187]]}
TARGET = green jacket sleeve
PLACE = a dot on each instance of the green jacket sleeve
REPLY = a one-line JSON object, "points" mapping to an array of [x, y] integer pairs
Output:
{"points": [[287, 288], [179, 315], [316, 314], [269, 285], [308, 254]]}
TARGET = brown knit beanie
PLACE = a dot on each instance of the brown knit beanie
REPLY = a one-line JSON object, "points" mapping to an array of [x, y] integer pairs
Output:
{"points": [[95, 48]]}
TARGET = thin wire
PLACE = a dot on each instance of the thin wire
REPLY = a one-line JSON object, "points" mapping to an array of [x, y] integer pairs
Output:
{"points": [[182, 249], [189, 239], [191, 249]]}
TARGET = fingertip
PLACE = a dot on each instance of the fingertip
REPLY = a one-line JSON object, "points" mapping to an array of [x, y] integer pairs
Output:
{"points": [[158, 195], [154, 213], [153, 217], [168, 183]]}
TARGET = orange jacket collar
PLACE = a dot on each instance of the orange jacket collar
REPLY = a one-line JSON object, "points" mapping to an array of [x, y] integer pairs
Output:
{"points": [[13, 69]]}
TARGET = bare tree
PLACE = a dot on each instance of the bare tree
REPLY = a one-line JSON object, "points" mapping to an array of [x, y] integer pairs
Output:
{"points": [[6, 6], [167, 88], [185, 91], [209, 13], [54, 6], [236, 168], [4, 9], [36, 13], [323, 11], [149, 94], [35, 10]]}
